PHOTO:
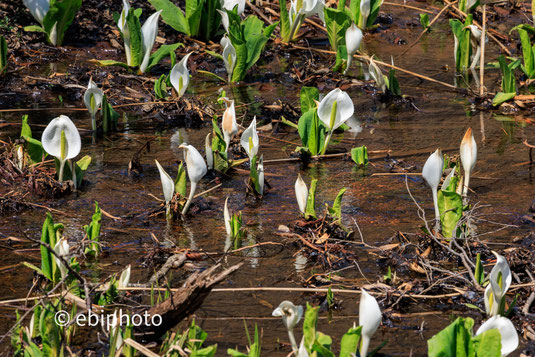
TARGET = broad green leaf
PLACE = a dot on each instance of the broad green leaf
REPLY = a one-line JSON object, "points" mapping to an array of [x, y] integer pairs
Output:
{"points": [[61, 15], [26, 131], [48, 236], [33, 147], [284, 21], [527, 51], [161, 53], [488, 344], [479, 272], [50, 332], [109, 116], [322, 345], [336, 210], [181, 181], [110, 63], [136, 40], [374, 11], [424, 20], [336, 24], [350, 342], [194, 10], [450, 205], [210, 20], [172, 15], [393, 84], [309, 323], [359, 155], [453, 341], [501, 97], [308, 131], [34, 28], [308, 95]]}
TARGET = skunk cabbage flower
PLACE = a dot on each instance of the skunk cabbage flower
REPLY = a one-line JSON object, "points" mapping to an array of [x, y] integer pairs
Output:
{"points": [[93, 100], [365, 8], [468, 157], [377, 75], [124, 279], [432, 173], [507, 331], [208, 151], [500, 280], [20, 157], [353, 40], [260, 170], [229, 55], [224, 19], [168, 186], [179, 76], [249, 140], [475, 40], [62, 140], [231, 4], [369, 319], [336, 108], [62, 249], [38, 8], [229, 125], [196, 170], [302, 351], [301, 193], [149, 30], [291, 315], [123, 27], [226, 217]]}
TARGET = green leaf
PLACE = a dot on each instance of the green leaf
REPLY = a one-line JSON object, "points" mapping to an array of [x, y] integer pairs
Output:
{"points": [[33, 147], [424, 20], [289, 123], [194, 10], [527, 51], [310, 211], [336, 24], [501, 97], [308, 95], [34, 28], [309, 324], [26, 131], [136, 39], [161, 53], [359, 155], [336, 210], [181, 181], [453, 341], [450, 205], [110, 63], [374, 11], [48, 236], [210, 20], [205, 352], [479, 272], [81, 167], [61, 14], [172, 15], [393, 84], [3, 54], [284, 21], [109, 116], [488, 344], [350, 342]]}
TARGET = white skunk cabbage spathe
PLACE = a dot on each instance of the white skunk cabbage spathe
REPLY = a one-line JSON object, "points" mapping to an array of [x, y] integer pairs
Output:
{"points": [[377, 75], [353, 39], [291, 315], [249, 140], [93, 100], [365, 8], [196, 171], [124, 279], [468, 157], [224, 19], [179, 76], [301, 193], [475, 40], [335, 109], [432, 173], [226, 217], [369, 319], [231, 4], [500, 280], [168, 186], [123, 27], [62, 140], [208, 152], [229, 126], [62, 249], [229, 55], [149, 30], [38, 8], [260, 171], [507, 332]]}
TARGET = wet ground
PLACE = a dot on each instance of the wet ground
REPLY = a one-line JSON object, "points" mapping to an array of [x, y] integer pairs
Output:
{"points": [[503, 180]]}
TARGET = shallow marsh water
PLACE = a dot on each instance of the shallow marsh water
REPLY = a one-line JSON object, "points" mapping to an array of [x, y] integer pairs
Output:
{"points": [[381, 205]]}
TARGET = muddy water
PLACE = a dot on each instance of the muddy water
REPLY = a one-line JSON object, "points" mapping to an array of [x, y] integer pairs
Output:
{"points": [[380, 204]]}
